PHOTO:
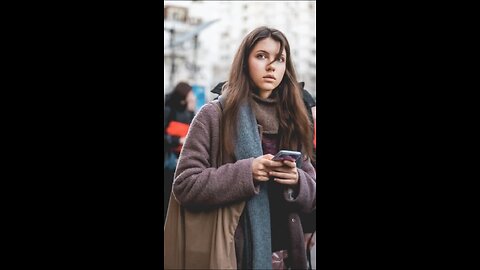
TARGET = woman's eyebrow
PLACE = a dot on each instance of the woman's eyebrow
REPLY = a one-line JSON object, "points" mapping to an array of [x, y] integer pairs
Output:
{"points": [[268, 52], [263, 51]]}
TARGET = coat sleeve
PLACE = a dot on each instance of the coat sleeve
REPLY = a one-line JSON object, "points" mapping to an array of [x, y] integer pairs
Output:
{"points": [[197, 183], [304, 197]]}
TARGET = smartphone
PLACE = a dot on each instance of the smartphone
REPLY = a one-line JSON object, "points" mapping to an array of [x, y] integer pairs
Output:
{"points": [[287, 155]]}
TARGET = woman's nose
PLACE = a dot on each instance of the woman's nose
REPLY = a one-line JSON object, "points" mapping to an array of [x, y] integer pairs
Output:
{"points": [[270, 67]]}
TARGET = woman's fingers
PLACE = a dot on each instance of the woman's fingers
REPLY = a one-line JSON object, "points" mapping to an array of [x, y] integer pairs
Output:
{"points": [[262, 173], [284, 170], [290, 164], [261, 178], [285, 182], [289, 177], [282, 175], [272, 163]]}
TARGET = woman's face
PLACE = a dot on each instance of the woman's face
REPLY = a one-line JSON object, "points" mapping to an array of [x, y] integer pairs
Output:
{"points": [[265, 70], [191, 101]]}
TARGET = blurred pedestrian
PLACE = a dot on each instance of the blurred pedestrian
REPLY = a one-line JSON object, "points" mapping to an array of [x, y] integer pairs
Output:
{"points": [[233, 207], [178, 114]]}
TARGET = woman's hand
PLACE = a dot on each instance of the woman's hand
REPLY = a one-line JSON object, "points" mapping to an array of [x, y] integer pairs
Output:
{"points": [[286, 174], [262, 165]]}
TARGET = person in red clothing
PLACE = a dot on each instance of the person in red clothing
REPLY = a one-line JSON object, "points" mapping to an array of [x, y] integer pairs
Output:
{"points": [[178, 114]]}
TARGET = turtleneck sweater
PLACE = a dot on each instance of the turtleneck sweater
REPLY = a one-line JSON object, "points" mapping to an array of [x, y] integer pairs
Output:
{"points": [[266, 113]]}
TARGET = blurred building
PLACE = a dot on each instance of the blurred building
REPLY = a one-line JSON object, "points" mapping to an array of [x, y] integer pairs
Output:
{"points": [[179, 58], [218, 43]]}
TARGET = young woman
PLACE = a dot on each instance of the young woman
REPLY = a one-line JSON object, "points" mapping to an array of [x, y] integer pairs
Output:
{"points": [[233, 206]]}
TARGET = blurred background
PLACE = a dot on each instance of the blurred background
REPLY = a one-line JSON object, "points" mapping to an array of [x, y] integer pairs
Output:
{"points": [[201, 38]]}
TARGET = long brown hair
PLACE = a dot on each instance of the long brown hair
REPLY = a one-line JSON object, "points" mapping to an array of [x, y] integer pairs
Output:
{"points": [[295, 129]]}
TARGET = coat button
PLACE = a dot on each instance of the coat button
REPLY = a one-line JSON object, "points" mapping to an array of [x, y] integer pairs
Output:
{"points": [[293, 220]]}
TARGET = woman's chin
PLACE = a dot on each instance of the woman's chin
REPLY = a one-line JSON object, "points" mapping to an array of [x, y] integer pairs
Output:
{"points": [[267, 86]]}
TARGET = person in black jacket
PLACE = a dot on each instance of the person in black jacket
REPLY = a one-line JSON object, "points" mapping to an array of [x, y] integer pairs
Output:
{"points": [[178, 114]]}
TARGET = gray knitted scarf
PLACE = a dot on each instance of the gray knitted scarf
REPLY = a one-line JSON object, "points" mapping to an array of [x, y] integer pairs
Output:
{"points": [[257, 210]]}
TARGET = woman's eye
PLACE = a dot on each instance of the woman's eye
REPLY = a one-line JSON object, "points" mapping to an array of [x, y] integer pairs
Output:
{"points": [[281, 60], [261, 56]]}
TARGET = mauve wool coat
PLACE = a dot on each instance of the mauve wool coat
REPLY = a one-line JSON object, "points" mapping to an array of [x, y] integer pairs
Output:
{"points": [[200, 185]]}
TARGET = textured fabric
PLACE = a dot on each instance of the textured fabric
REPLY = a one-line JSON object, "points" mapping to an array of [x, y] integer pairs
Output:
{"points": [[203, 239], [248, 145], [270, 144], [266, 113], [202, 184], [297, 251], [281, 212]]}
